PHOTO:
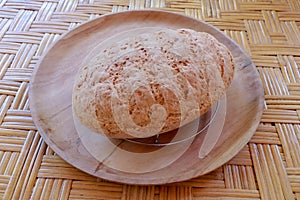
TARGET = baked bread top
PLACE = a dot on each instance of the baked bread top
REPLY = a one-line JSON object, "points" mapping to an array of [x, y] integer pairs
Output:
{"points": [[151, 83]]}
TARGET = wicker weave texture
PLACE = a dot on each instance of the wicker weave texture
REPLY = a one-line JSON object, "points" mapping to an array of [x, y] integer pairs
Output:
{"points": [[268, 167]]}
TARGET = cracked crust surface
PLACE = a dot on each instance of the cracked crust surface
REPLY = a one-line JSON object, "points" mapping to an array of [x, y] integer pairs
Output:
{"points": [[152, 83]]}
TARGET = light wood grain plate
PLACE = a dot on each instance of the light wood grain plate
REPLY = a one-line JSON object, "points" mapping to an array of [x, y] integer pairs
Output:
{"points": [[51, 107]]}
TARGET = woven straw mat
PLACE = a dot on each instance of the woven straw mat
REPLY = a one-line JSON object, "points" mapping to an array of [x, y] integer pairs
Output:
{"points": [[268, 167]]}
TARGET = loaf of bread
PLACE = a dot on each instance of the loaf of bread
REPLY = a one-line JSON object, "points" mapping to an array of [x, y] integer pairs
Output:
{"points": [[151, 83]]}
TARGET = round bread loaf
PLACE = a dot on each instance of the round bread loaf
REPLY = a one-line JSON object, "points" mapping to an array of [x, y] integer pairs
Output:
{"points": [[151, 83]]}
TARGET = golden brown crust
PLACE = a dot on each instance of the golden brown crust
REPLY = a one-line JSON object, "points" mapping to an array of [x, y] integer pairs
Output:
{"points": [[152, 83]]}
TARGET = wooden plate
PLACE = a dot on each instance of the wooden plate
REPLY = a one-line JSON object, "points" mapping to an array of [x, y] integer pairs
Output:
{"points": [[50, 104]]}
